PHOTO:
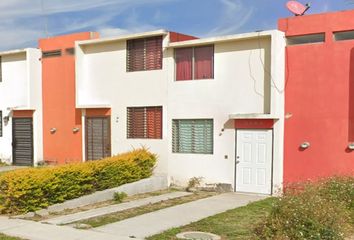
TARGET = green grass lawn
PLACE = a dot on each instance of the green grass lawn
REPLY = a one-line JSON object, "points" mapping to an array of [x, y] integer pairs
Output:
{"points": [[4, 237], [233, 224]]}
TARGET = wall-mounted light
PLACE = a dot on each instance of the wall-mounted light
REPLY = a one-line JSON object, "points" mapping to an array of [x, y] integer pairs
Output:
{"points": [[351, 146], [53, 130], [305, 145], [76, 129]]}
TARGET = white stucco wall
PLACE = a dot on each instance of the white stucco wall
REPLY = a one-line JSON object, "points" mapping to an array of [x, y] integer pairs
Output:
{"points": [[102, 80], [245, 74], [20, 89], [34, 73], [241, 85]]}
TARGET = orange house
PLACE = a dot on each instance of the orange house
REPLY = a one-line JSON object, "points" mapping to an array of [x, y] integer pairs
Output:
{"points": [[62, 133]]}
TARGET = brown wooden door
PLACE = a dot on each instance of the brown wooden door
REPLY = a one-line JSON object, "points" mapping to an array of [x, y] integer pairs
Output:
{"points": [[98, 137], [22, 141]]}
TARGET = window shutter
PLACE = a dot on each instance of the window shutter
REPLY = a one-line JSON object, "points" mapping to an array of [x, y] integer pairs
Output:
{"points": [[192, 136], [184, 59], [136, 122], [135, 55], [203, 136], [203, 62], [144, 122], [154, 122], [153, 53], [144, 54]]}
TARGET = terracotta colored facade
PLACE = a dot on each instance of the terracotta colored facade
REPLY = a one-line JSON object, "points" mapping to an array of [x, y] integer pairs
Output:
{"points": [[319, 98], [59, 111]]}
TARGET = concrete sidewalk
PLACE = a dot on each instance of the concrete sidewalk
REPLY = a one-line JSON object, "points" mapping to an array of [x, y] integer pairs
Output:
{"points": [[38, 231], [156, 222], [79, 216]]}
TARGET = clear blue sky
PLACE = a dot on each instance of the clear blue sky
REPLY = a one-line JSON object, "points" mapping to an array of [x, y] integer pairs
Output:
{"points": [[22, 22]]}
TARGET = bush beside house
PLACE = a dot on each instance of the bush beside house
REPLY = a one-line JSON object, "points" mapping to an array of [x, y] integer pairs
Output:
{"points": [[324, 210], [36, 188]]}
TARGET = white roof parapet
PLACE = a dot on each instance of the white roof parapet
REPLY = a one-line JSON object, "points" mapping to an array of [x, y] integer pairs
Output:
{"points": [[123, 37], [11, 52], [235, 37]]}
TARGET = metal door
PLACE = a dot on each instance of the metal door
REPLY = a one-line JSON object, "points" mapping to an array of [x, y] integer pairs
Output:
{"points": [[98, 138], [22, 141], [254, 161]]}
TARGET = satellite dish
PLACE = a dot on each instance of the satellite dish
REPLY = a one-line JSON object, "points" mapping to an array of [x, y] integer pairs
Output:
{"points": [[297, 8]]}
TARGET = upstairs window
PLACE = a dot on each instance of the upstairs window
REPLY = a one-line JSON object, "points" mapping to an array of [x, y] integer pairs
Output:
{"points": [[53, 53], [343, 35], [144, 122], [194, 63], [306, 39], [144, 54]]}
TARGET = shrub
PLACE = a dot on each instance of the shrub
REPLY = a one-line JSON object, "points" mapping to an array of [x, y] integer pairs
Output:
{"points": [[32, 189], [322, 210], [119, 196]]}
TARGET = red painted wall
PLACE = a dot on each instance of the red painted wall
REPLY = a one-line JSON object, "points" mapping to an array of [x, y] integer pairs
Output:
{"points": [[319, 98], [254, 123], [179, 37], [58, 86]]}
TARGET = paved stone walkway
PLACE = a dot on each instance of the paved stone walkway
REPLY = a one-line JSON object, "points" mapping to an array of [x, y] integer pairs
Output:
{"points": [[66, 219], [156, 222]]}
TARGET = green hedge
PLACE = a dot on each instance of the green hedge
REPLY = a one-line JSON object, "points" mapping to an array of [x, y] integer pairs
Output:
{"points": [[322, 210], [36, 188]]}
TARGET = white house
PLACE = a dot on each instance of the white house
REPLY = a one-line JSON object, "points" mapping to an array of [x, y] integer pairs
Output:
{"points": [[21, 107], [211, 108]]}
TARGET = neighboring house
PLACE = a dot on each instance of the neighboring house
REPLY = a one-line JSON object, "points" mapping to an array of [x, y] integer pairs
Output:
{"points": [[319, 95], [21, 107], [190, 102], [61, 120]]}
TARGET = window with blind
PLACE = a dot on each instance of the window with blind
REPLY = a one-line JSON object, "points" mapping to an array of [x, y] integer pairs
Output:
{"points": [[192, 136], [194, 63], [144, 122], [144, 54]]}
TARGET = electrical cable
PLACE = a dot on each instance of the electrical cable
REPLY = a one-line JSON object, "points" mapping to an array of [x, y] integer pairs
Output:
{"points": [[251, 75], [266, 70]]}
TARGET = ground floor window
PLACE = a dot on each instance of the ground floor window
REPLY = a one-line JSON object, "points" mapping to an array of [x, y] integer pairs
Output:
{"points": [[144, 122], [192, 136]]}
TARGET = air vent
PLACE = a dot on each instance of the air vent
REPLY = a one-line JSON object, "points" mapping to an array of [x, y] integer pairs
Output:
{"points": [[306, 39], [70, 51], [54, 53], [345, 35]]}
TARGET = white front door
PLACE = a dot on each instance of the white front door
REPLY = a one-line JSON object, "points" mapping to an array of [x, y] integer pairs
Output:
{"points": [[254, 161]]}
